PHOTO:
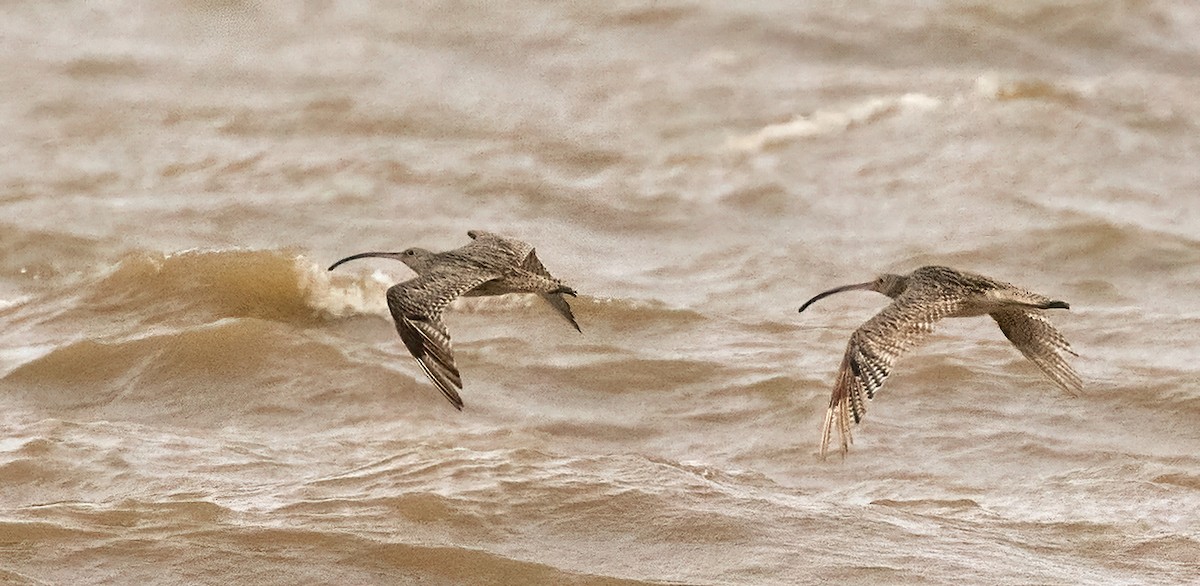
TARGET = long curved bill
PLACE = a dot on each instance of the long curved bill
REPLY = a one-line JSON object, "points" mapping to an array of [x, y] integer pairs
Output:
{"points": [[391, 255], [865, 286]]}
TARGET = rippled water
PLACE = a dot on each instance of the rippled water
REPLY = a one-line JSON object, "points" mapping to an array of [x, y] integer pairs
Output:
{"points": [[188, 397]]}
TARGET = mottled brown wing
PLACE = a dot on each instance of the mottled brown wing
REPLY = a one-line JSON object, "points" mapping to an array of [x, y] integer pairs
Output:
{"points": [[508, 248], [534, 265], [873, 350], [416, 306], [528, 261], [1033, 334]]}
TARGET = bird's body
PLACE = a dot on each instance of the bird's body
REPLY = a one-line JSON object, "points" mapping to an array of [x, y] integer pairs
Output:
{"points": [[489, 265], [921, 298]]}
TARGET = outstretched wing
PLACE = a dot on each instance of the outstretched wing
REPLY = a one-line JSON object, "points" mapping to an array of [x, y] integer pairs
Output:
{"points": [[872, 351], [429, 343], [1033, 334], [505, 247], [533, 264], [417, 306]]}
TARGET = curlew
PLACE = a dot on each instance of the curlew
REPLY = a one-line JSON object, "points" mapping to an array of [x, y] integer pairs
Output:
{"points": [[921, 298], [490, 265]]}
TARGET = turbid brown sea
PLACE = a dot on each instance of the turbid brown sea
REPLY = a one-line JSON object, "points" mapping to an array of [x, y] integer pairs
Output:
{"points": [[188, 397]]}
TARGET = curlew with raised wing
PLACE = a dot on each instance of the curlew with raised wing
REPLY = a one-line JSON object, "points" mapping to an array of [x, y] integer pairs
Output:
{"points": [[920, 299], [490, 265]]}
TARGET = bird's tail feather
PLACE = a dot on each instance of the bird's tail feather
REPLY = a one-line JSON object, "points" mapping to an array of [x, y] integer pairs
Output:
{"points": [[560, 305]]}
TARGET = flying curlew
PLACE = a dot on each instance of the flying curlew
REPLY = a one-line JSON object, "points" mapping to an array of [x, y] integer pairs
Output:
{"points": [[490, 265], [921, 298]]}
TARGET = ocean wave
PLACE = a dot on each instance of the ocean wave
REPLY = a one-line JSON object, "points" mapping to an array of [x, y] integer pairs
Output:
{"points": [[640, 311], [1098, 103], [619, 374], [14, 578], [201, 374], [823, 122], [939, 506], [34, 471], [345, 118], [135, 529], [1177, 550], [1108, 243], [199, 286], [993, 86], [38, 256], [1099, 250], [1114, 26], [1190, 481], [567, 494], [202, 284], [365, 558]]}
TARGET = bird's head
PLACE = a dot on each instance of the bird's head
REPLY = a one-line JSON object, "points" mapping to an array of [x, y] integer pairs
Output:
{"points": [[417, 259], [889, 284]]}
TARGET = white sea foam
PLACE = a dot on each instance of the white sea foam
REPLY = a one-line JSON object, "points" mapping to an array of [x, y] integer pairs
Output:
{"points": [[823, 122]]}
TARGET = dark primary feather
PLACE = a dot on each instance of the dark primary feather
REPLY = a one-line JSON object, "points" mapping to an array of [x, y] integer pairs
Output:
{"points": [[429, 342], [416, 306]]}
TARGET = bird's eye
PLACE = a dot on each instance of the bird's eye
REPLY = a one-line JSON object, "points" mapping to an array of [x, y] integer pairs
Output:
{"points": [[410, 252]]}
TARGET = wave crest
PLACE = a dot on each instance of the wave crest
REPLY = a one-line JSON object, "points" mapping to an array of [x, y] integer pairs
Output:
{"points": [[824, 122], [264, 284]]}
